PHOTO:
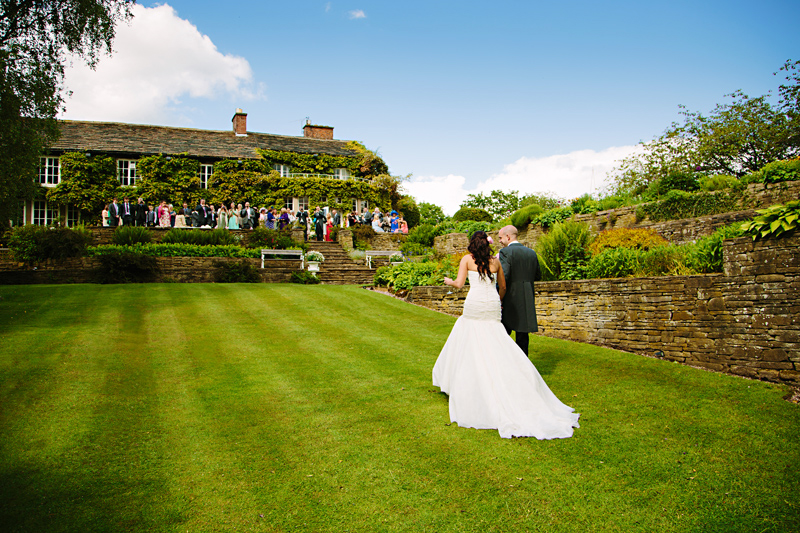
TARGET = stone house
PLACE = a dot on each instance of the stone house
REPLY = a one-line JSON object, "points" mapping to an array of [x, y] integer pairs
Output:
{"points": [[126, 143]]}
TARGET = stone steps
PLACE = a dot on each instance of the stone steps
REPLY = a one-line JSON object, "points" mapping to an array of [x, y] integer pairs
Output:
{"points": [[338, 268]]}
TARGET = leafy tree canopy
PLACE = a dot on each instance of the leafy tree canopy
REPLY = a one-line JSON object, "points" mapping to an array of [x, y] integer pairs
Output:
{"points": [[36, 37], [430, 213], [736, 138], [497, 203]]}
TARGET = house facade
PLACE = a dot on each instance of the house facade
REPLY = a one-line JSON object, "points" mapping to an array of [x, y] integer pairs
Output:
{"points": [[285, 167]]}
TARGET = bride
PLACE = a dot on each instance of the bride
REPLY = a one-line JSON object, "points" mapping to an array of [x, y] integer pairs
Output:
{"points": [[491, 383]]}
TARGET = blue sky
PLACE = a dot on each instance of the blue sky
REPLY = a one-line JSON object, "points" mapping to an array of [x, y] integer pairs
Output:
{"points": [[465, 96]]}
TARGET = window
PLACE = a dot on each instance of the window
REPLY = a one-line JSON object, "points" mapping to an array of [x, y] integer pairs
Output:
{"points": [[303, 203], [205, 175], [49, 171], [355, 205], [126, 172], [341, 173], [44, 214], [364, 204], [73, 216], [19, 216], [288, 203], [282, 169]]}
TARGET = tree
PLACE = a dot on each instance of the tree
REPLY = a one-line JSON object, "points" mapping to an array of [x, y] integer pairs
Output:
{"points": [[36, 38], [431, 214], [499, 204], [410, 211], [87, 182], [735, 138]]}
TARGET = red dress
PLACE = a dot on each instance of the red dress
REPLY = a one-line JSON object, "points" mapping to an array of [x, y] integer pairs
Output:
{"points": [[328, 230]]}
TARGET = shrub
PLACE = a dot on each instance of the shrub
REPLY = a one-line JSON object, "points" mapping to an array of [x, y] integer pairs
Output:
{"points": [[522, 217], [680, 204], [471, 226], [626, 262], [408, 275], [675, 181], [472, 213], [642, 239], [215, 237], [415, 248], [564, 250], [553, 216], [778, 171], [130, 235], [774, 221], [32, 243], [272, 239], [423, 235], [127, 267], [585, 204], [362, 235], [718, 182], [304, 277], [175, 250], [706, 254]]}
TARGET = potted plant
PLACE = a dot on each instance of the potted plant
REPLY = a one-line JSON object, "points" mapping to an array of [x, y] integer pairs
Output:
{"points": [[314, 258], [396, 259]]}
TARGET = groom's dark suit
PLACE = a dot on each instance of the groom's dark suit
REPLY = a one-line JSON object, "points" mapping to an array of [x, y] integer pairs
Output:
{"points": [[520, 268]]}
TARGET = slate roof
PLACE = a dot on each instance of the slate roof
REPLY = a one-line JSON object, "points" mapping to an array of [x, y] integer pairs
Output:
{"points": [[120, 139]]}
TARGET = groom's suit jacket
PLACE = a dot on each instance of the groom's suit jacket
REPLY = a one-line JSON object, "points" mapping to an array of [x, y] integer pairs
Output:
{"points": [[520, 268]]}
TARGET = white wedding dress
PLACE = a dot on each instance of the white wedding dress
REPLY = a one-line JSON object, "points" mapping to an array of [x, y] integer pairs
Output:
{"points": [[490, 381]]}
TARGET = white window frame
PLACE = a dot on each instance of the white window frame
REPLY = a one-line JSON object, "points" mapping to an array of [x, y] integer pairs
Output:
{"points": [[283, 170], [341, 174], [43, 214], [355, 205], [126, 172], [49, 171], [73, 216], [288, 202], [302, 203], [206, 171]]}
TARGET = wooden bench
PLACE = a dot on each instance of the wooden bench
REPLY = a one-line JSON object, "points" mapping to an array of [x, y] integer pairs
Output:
{"points": [[290, 253], [369, 254]]}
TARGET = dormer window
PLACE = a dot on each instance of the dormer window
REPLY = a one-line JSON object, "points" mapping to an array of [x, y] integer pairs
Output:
{"points": [[283, 170], [49, 171], [126, 172]]}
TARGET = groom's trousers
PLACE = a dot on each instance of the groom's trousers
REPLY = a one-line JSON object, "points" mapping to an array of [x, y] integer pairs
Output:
{"points": [[522, 340]]}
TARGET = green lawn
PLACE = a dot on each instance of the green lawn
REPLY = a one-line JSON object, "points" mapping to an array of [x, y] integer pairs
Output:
{"points": [[310, 408]]}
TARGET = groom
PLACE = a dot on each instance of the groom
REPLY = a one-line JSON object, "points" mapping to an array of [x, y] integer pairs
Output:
{"points": [[520, 268]]}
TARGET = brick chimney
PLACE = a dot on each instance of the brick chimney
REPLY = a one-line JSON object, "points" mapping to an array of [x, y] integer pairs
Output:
{"points": [[317, 132], [239, 123]]}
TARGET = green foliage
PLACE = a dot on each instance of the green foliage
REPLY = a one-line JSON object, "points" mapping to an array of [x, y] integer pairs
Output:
{"points": [[526, 215], [553, 216], [130, 235], [674, 181], [304, 277], [639, 238], [175, 179], [626, 262], [423, 235], [88, 183], [680, 204], [718, 182], [564, 250], [471, 213], [122, 266], [176, 250], [546, 201], [215, 237], [362, 235], [408, 208], [774, 222], [32, 243], [736, 138], [585, 204], [471, 226], [430, 214], [497, 203], [415, 248], [236, 272], [36, 42], [778, 171], [706, 254], [407, 275], [272, 239]]}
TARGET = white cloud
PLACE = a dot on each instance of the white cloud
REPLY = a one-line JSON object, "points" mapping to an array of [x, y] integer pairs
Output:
{"points": [[564, 176], [358, 14], [159, 60], [327, 7]]}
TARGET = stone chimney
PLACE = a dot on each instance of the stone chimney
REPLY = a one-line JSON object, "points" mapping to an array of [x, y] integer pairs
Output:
{"points": [[317, 132], [239, 123]]}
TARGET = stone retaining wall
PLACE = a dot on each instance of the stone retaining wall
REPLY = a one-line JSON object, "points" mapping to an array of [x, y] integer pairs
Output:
{"points": [[172, 269], [744, 321]]}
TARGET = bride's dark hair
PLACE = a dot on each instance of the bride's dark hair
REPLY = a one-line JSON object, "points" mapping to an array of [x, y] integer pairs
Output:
{"points": [[481, 253]]}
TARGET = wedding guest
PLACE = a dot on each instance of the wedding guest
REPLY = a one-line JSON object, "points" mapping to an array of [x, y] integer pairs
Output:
{"points": [[249, 217], [113, 213], [172, 215], [104, 216], [203, 212], [376, 225], [222, 217], [151, 217], [163, 215], [366, 216], [352, 219], [329, 229], [403, 226], [319, 222], [337, 218], [283, 221], [394, 225], [140, 212], [126, 212], [187, 213], [239, 218], [264, 215], [233, 218]]}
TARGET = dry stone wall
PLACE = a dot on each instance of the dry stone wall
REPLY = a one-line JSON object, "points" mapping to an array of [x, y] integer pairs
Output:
{"points": [[744, 321]]}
